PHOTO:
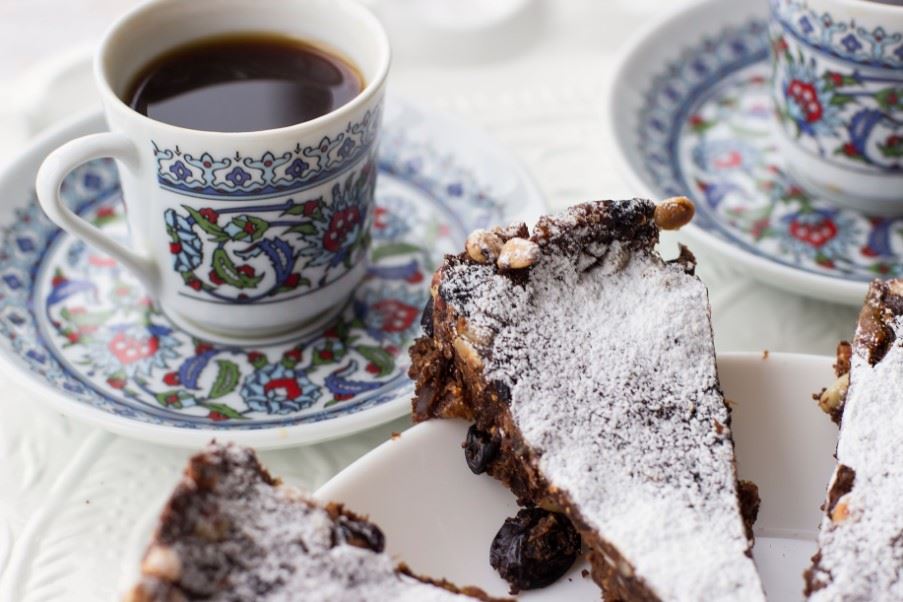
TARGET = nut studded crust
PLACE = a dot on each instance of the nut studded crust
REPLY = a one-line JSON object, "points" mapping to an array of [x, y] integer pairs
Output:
{"points": [[231, 532], [590, 369], [860, 555]]}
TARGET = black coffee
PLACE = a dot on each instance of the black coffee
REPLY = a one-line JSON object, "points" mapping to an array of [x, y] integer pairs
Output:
{"points": [[242, 83]]}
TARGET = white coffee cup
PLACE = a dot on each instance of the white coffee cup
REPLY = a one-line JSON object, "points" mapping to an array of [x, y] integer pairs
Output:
{"points": [[238, 235], [838, 94]]}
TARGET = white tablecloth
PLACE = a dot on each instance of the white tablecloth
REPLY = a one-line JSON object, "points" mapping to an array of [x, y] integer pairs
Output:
{"points": [[541, 94]]}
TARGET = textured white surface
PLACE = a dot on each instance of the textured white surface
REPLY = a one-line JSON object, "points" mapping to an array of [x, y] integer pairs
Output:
{"points": [[543, 98]]}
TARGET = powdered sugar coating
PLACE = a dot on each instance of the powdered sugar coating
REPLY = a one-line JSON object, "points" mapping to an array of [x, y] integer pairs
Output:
{"points": [[862, 556], [280, 547], [608, 354]]}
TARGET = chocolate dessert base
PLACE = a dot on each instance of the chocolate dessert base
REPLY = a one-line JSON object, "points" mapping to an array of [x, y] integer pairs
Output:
{"points": [[189, 517], [873, 339], [450, 385]]}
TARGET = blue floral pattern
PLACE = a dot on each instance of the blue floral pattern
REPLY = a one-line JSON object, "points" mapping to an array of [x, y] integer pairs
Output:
{"points": [[272, 173], [838, 88], [279, 389], [185, 245], [874, 47], [84, 327], [709, 134]]}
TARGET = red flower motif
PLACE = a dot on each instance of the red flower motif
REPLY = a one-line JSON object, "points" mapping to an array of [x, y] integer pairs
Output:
{"points": [[214, 278], [415, 277], [379, 215], [73, 337], [780, 45], [836, 78], [195, 284], [128, 349], [101, 262], [293, 280], [202, 348], [396, 316], [58, 280], [806, 96], [343, 396], [326, 355], [175, 248], [249, 227], [247, 270], [331, 333], [217, 416], [309, 207], [209, 214], [172, 379], [817, 234], [254, 357], [696, 121], [341, 223], [850, 150], [372, 368], [106, 212], [293, 354], [868, 251], [289, 387], [116, 383]]}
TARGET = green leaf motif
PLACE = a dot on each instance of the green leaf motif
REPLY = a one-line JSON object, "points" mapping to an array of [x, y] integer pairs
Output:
{"points": [[840, 100], [393, 249], [217, 233], [225, 410], [890, 98], [226, 379], [379, 357], [253, 233], [172, 398], [304, 229], [225, 269]]}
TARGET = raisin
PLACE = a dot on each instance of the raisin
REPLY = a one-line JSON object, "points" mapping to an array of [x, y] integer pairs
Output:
{"points": [[480, 449], [426, 320], [360, 533], [534, 548]]}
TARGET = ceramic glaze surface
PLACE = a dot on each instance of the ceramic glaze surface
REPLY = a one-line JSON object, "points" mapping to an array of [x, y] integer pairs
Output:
{"points": [[82, 325], [707, 130]]}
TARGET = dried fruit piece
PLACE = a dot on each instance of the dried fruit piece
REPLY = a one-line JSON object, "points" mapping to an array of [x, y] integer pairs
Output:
{"points": [[480, 449], [360, 533], [534, 548]]}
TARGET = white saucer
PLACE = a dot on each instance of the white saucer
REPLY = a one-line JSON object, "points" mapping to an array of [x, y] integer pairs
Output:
{"points": [[78, 331], [440, 518], [690, 113]]}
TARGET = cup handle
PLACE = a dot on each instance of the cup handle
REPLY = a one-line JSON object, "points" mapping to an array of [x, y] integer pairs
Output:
{"points": [[50, 176]]}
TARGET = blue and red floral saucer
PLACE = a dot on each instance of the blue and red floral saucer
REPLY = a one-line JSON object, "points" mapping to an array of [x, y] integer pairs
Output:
{"points": [[692, 114], [80, 332]]}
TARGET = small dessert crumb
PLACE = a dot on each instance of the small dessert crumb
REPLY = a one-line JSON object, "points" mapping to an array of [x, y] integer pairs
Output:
{"points": [[584, 573], [396, 436], [765, 354]]}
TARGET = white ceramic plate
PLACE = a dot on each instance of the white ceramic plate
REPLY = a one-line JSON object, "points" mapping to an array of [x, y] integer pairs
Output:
{"points": [[690, 111], [67, 312], [440, 518]]}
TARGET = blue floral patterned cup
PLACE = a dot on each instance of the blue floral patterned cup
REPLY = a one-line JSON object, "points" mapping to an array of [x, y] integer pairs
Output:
{"points": [[236, 235], [838, 94]]}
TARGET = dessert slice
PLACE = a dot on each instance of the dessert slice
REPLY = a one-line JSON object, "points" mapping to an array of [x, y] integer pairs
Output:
{"points": [[586, 363], [860, 543], [231, 532]]}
